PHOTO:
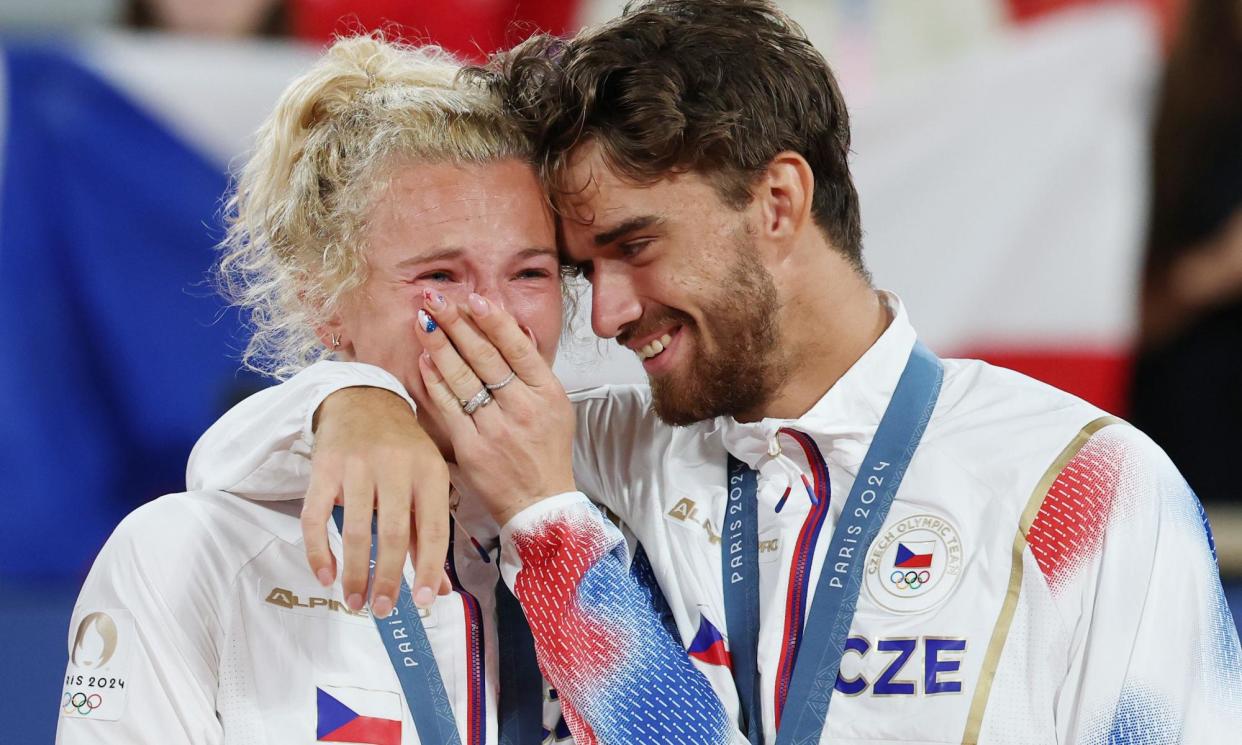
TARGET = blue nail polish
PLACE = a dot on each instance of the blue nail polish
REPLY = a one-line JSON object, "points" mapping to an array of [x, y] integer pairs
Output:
{"points": [[427, 322], [434, 299]]}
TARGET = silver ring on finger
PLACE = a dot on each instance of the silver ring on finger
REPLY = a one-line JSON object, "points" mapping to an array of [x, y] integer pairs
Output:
{"points": [[497, 386], [480, 399]]}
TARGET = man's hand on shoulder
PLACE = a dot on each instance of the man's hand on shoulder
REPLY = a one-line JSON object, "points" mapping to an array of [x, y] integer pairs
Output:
{"points": [[372, 456]]}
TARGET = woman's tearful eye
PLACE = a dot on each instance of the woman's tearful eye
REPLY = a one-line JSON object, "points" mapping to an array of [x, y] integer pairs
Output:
{"points": [[440, 276], [533, 273]]}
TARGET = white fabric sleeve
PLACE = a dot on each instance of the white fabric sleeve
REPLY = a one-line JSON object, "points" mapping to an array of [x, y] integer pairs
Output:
{"points": [[144, 636], [616, 438], [261, 447], [1154, 649]]}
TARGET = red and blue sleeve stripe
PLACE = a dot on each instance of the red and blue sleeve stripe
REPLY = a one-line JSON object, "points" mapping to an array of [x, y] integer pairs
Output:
{"points": [[600, 641]]}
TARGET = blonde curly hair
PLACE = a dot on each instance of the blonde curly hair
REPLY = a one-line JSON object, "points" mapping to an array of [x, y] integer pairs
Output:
{"points": [[296, 216]]}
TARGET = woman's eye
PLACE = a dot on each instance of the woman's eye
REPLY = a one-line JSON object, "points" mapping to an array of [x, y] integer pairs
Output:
{"points": [[533, 274], [435, 277]]}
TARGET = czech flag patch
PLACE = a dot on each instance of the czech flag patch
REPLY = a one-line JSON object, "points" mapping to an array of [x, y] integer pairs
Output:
{"points": [[709, 646], [357, 715], [914, 555]]}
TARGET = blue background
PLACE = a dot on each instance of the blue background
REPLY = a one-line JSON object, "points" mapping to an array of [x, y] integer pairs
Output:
{"points": [[126, 353]]}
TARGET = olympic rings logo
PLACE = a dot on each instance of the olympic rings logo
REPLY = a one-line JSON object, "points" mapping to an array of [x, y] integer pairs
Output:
{"points": [[909, 579], [81, 703]]}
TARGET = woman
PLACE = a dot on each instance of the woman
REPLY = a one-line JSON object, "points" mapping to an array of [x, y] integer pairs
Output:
{"points": [[381, 189]]}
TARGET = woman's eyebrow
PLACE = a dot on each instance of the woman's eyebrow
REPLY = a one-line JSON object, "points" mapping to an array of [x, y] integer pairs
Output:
{"points": [[533, 251], [434, 255], [447, 254]]}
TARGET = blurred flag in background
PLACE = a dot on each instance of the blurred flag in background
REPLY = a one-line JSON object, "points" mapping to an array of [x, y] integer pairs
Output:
{"points": [[1000, 152]]}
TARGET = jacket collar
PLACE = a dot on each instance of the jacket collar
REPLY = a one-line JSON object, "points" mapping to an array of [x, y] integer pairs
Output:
{"points": [[845, 419]]}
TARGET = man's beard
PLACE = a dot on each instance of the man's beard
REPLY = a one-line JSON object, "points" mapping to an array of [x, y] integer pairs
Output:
{"points": [[740, 375]]}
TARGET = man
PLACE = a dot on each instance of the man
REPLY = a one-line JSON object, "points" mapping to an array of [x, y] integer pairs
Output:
{"points": [[1041, 574]]}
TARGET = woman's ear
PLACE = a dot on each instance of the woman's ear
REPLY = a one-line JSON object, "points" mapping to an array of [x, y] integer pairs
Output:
{"points": [[331, 330], [331, 335]]}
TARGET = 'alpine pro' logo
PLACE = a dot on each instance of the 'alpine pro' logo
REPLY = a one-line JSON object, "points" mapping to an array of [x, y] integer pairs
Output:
{"points": [[914, 563]]}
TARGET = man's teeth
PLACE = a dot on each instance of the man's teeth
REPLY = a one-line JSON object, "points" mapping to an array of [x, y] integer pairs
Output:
{"points": [[655, 347]]}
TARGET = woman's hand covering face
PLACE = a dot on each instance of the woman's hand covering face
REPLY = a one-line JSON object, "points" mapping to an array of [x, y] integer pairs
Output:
{"points": [[517, 448], [372, 456]]}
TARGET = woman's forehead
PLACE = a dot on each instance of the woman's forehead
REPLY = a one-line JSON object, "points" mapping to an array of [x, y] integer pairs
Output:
{"points": [[438, 192], [481, 210]]}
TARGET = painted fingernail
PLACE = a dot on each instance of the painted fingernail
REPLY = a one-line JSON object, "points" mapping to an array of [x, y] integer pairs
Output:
{"points": [[426, 322], [424, 597], [354, 601], [381, 607], [325, 577], [478, 304], [435, 300]]}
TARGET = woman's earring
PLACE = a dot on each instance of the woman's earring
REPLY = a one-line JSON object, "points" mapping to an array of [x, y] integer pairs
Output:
{"points": [[336, 341]]}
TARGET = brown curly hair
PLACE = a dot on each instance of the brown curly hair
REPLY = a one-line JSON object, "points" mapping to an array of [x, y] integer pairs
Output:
{"points": [[717, 87]]}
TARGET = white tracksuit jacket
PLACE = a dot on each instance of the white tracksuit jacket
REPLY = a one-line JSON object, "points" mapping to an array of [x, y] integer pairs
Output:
{"points": [[1071, 594], [199, 623]]}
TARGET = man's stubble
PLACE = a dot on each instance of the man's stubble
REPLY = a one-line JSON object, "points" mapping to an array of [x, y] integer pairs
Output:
{"points": [[741, 373]]}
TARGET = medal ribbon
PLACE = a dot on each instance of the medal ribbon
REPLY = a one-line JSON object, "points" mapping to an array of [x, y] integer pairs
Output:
{"points": [[836, 593], [408, 649]]}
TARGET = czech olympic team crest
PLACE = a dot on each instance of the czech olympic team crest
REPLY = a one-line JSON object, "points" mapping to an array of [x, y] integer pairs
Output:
{"points": [[914, 563]]}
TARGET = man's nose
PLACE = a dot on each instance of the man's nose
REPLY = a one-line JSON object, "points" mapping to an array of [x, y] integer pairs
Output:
{"points": [[614, 304]]}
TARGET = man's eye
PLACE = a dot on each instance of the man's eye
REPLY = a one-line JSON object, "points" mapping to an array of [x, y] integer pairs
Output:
{"points": [[631, 249]]}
